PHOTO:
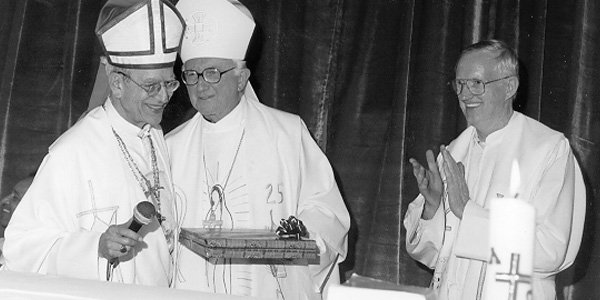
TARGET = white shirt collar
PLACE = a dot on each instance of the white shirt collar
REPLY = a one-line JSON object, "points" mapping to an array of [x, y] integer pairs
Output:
{"points": [[494, 137]]}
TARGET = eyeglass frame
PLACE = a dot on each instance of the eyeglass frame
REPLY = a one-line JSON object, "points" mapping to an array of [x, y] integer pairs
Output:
{"points": [[457, 82], [151, 91], [201, 74]]}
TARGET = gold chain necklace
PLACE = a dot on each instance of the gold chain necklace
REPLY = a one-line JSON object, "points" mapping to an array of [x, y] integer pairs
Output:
{"points": [[152, 191], [211, 220]]}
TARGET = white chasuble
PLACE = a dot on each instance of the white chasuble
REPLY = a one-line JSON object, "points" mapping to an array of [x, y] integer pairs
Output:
{"points": [[278, 171], [83, 186], [551, 182], [224, 186]]}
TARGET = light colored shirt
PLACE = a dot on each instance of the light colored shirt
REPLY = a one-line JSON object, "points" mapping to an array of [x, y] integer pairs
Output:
{"points": [[83, 186], [551, 182], [279, 171]]}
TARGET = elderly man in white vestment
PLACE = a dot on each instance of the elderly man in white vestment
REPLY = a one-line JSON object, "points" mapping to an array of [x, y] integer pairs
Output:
{"points": [[74, 219], [242, 164], [447, 228]]}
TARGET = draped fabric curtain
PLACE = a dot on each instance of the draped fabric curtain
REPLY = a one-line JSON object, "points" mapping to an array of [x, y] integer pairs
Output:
{"points": [[46, 60], [367, 76]]}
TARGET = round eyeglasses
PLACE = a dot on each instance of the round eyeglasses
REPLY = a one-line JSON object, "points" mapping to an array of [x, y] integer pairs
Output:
{"points": [[154, 88], [210, 75], [475, 86]]}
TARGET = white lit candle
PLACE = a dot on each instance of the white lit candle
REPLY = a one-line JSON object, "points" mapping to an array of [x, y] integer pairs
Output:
{"points": [[512, 233]]}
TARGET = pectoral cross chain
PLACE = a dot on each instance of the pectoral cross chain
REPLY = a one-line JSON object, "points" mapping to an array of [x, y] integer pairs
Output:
{"points": [[153, 193]]}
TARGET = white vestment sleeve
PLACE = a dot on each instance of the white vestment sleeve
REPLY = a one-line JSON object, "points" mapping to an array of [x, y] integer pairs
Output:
{"points": [[554, 199], [41, 238], [472, 240], [321, 207], [424, 237]]}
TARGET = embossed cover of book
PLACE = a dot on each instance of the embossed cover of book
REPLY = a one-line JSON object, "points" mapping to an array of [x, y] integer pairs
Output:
{"points": [[247, 244]]}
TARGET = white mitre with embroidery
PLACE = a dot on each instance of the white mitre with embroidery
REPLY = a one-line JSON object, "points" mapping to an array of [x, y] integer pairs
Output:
{"points": [[140, 34], [215, 28]]}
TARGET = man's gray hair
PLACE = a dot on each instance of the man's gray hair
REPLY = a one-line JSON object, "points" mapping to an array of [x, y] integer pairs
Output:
{"points": [[112, 68], [240, 64], [508, 63]]}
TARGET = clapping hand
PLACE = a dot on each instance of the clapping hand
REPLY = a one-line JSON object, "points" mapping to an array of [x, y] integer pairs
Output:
{"points": [[458, 191], [430, 184]]}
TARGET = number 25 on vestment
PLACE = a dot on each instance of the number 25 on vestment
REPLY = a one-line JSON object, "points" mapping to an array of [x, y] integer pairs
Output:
{"points": [[274, 198]]}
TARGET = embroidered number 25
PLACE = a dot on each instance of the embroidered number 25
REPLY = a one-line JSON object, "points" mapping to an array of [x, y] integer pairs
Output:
{"points": [[277, 198]]}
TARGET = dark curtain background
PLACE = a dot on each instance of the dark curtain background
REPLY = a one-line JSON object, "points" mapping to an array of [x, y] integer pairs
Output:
{"points": [[369, 79]]}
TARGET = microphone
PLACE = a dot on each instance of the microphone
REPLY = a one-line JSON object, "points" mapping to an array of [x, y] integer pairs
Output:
{"points": [[143, 213]]}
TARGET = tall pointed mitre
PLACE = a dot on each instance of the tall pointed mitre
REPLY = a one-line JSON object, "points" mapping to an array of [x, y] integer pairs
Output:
{"points": [[140, 34], [215, 28]]}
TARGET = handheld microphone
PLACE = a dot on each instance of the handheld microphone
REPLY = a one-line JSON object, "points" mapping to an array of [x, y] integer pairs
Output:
{"points": [[143, 213]]}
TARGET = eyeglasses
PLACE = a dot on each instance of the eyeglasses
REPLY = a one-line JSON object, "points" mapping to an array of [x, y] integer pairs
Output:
{"points": [[210, 75], [154, 88], [475, 86]]}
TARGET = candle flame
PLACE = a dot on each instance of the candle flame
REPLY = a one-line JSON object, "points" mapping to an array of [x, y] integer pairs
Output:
{"points": [[515, 179]]}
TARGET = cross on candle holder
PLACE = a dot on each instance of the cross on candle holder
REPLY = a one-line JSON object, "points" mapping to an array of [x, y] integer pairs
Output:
{"points": [[513, 277]]}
